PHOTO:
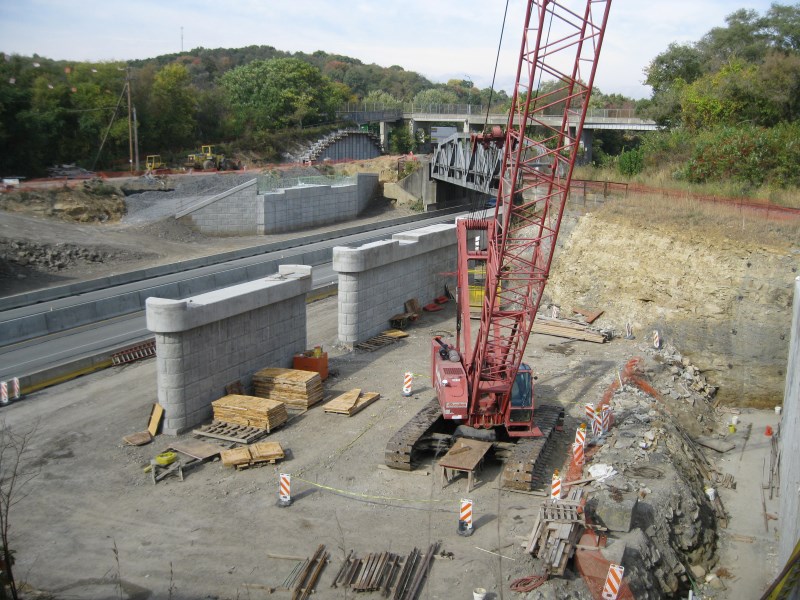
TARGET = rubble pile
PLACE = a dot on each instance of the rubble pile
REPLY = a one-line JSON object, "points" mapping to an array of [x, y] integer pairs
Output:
{"points": [[20, 254]]}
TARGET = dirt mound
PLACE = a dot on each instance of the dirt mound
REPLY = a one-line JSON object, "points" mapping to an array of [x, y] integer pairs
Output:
{"points": [[91, 202]]}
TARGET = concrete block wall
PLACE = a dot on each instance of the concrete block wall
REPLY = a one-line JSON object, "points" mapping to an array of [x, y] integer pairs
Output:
{"points": [[297, 208], [205, 342], [377, 278], [790, 444], [234, 212]]}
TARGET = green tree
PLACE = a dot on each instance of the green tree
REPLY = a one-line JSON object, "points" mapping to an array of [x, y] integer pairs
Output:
{"points": [[435, 96], [173, 107], [280, 92], [401, 141]]}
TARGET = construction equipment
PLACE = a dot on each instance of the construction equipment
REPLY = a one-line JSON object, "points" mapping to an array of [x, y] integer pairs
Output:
{"points": [[207, 160], [154, 162], [483, 388]]}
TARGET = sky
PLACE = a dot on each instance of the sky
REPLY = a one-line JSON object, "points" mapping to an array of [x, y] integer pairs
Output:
{"points": [[441, 39]]}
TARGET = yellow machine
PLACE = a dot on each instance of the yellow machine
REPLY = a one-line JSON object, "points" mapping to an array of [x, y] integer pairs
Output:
{"points": [[207, 159], [154, 162]]}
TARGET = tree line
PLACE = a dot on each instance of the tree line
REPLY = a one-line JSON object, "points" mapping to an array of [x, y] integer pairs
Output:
{"points": [[734, 93], [728, 104]]}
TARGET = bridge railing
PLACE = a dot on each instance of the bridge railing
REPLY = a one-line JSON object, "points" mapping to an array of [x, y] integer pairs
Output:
{"points": [[386, 112], [267, 184]]}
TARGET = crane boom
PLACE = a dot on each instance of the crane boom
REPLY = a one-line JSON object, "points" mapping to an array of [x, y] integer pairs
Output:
{"points": [[534, 184]]}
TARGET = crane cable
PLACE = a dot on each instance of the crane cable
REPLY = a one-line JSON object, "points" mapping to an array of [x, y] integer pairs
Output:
{"points": [[473, 205]]}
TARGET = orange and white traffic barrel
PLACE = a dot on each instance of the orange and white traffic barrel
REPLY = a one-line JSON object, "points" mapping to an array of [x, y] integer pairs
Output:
{"points": [[580, 435], [15, 388], [597, 421], [3, 392], [578, 455], [465, 518], [613, 582], [555, 486], [285, 490], [606, 419], [408, 380]]}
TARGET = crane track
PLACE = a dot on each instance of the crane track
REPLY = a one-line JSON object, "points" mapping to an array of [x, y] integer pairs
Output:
{"points": [[405, 446], [524, 466]]}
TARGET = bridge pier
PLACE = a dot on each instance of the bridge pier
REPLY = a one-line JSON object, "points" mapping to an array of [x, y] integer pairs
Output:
{"points": [[384, 135]]}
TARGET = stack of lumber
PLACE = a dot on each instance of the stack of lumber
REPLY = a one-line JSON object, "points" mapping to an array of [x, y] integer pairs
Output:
{"points": [[351, 402], [567, 328], [264, 413], [299, 389], [252, 455]]}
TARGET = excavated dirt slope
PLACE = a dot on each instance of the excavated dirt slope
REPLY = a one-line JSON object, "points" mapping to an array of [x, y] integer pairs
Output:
{"points": [[716, 281]]}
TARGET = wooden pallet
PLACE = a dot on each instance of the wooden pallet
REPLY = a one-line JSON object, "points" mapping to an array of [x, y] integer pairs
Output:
{"points": [[557, 530], [240, 434], [375, 343], [255, 455], [351, 402]]}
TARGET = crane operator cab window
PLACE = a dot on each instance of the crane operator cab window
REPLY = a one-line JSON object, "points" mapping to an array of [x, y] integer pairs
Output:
{"points": [[522, 396]]}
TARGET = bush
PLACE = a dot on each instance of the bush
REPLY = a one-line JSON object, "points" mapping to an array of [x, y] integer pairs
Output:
{"points": [[631, 162]]}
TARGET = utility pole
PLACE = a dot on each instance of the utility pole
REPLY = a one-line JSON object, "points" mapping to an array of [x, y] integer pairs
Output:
{"points": [[181, 38], [136, 138], [130, 122]]}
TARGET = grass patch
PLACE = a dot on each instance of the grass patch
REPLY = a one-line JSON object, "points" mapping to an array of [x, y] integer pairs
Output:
{"points": [[698, 218]]}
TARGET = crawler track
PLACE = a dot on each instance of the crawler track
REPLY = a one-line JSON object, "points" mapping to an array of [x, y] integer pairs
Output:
{"points": [[405, 446], [524, 465], [525, 460]]}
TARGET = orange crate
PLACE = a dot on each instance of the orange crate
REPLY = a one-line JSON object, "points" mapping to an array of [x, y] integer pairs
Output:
{"points": [[309, 363]]}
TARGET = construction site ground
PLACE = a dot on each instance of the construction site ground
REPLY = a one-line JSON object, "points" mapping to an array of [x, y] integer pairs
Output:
{"points": [[93, 525], [718, 290]]}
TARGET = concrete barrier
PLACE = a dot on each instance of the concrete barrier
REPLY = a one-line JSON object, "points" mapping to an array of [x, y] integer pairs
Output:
{"points": [[377, 278], [205, 342]]}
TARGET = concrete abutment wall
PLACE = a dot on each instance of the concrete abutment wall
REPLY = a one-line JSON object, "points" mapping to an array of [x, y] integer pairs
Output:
{"points": [[377, 278], [243, 211], [790, 444], [205, 342]]}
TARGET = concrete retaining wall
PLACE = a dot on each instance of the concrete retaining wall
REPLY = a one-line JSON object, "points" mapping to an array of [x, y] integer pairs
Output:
{"points": [[297, 208], [242, 211], [208, 341], [377, 278], [234, 212], [790, 443]]}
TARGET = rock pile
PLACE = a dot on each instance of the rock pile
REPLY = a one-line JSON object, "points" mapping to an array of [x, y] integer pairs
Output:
{"points": [[55, 257]]}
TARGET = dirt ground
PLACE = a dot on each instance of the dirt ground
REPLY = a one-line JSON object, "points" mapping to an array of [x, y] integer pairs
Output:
{"points": [[92, 525]]}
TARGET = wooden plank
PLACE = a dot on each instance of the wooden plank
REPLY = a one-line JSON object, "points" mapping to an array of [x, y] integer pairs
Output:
{"points": [[465, 454], [395, 333], [155, 419], [196, 448], [235, 456], [140, 438], [590, 315], [565, 332], [340, 405]]}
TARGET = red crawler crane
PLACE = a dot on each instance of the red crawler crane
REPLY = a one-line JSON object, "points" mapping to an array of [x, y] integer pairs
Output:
{"points": [[481, 382]]}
